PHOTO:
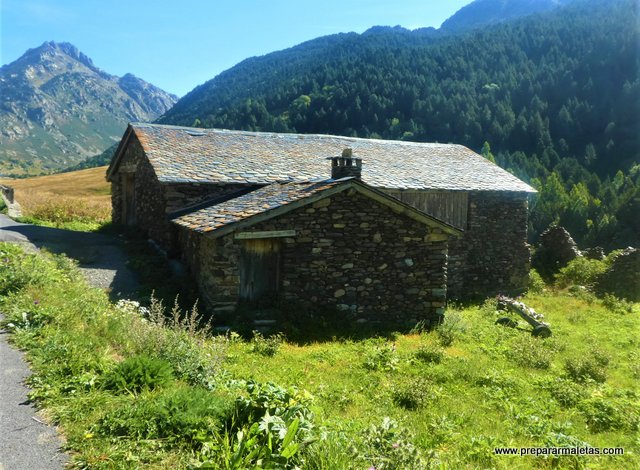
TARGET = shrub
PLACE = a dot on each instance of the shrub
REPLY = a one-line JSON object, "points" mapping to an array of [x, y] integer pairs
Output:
{"points": [[414, 395], [185, 416], [580, 271], [529, 351], [535, 283], [266, 346], [19, 270], [381, 357], [567, 393], [195, 361], [270, 425], [450, 329], [489, 306], [616, 305], [582, 293], [585, 369], [35, 317], [387, 446], [139, 373], [602, 414], [267, 398], [429, 354]]}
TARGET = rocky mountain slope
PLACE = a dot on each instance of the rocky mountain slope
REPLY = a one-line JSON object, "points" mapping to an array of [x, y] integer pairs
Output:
{"points": [[57, 108]]}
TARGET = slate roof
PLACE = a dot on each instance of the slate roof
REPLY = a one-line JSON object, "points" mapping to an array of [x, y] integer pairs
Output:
{"points": [[183, 154], [278, 198]]}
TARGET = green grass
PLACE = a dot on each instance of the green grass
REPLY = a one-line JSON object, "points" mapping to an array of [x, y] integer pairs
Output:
{"points": [[441, 399]]}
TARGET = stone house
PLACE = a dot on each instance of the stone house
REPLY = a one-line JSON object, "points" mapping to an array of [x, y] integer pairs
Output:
{"points": [[264, 216]]}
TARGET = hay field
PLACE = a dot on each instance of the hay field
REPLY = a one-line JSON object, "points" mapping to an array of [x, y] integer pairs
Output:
{"points": [[80, 196]]}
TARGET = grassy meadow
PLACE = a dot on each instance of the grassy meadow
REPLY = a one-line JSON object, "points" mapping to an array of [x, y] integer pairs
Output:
{"points": [[135, 386], [79, 200]]}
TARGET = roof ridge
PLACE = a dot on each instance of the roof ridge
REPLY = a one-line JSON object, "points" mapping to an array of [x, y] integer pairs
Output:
{"points": [[211, 130]]}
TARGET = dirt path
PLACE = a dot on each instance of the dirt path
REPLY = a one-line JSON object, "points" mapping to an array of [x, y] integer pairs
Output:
{"points": [[25, 441], [100, 256]]}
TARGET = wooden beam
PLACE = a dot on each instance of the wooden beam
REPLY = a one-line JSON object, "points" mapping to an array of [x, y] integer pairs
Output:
{"points": [[268, 234]]}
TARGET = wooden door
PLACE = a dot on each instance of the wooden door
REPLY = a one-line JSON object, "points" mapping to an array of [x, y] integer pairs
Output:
{"points": [[260, 272]]}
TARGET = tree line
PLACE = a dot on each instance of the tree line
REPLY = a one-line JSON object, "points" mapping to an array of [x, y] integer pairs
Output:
{"points": [[557, 97]]}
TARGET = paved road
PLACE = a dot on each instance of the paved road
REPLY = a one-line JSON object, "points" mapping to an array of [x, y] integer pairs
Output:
{"points": [[26, 443]]}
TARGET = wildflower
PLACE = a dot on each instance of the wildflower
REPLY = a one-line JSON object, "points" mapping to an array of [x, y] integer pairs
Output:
{"points": [[36, 302]]}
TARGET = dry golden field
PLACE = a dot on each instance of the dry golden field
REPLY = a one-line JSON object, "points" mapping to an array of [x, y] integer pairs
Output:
{"points": [[78, 196]]}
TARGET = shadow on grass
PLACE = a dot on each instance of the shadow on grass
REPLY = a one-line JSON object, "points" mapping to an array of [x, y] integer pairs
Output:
{"points": [[94, 251], [302, 325]]}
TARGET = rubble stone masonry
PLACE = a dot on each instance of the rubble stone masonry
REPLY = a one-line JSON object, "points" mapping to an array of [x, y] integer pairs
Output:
{"points": [[349, 253], [493, 256]]}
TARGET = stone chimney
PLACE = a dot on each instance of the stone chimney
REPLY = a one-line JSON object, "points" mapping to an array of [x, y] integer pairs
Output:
{"points": [[346, 165]]}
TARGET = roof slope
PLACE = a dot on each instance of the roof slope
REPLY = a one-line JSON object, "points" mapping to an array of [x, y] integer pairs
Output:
{"points": [[277, 198], [182, 154]]}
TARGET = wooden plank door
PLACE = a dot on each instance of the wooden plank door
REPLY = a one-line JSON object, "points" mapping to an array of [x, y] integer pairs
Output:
{"points": [[259, 272]]}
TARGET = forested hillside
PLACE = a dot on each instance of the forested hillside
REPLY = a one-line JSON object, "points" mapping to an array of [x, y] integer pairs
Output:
{"points": [[556, 96]]}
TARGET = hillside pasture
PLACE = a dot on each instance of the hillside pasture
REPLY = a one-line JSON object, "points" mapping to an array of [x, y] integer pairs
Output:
{"points": [[131, 388], [78, 200]]}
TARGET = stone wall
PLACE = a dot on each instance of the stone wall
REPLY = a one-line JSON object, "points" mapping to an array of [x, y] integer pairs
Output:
{"points": [[350, 253], [149, 194], [493, 255], [622, 279]]}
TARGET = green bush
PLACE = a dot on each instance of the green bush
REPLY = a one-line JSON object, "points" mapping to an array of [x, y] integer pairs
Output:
{"points": [[603, 414], [139, 373], [18, 269], [185, 415], [582, 370], [387, 446], [269, 427], [429, 354], [450, 329], [580, 271], [535, 283], [381, 356], [416, 394], [529, 351], [616, 305], [567, 393], [196, 362], [266, 346]]}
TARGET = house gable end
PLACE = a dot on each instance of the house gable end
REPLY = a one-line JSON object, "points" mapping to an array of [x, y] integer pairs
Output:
{"points": [[335, 187]]}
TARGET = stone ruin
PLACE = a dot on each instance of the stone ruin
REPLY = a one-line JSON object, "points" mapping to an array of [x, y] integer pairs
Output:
{"points": [[622, 279], [597, 253], [555, 249]]}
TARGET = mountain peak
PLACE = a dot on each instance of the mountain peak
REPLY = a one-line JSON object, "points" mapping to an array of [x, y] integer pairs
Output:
{"points": [[58, 107]]}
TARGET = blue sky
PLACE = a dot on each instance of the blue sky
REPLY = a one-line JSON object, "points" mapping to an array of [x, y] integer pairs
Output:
{"points": [[179, 44]]}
